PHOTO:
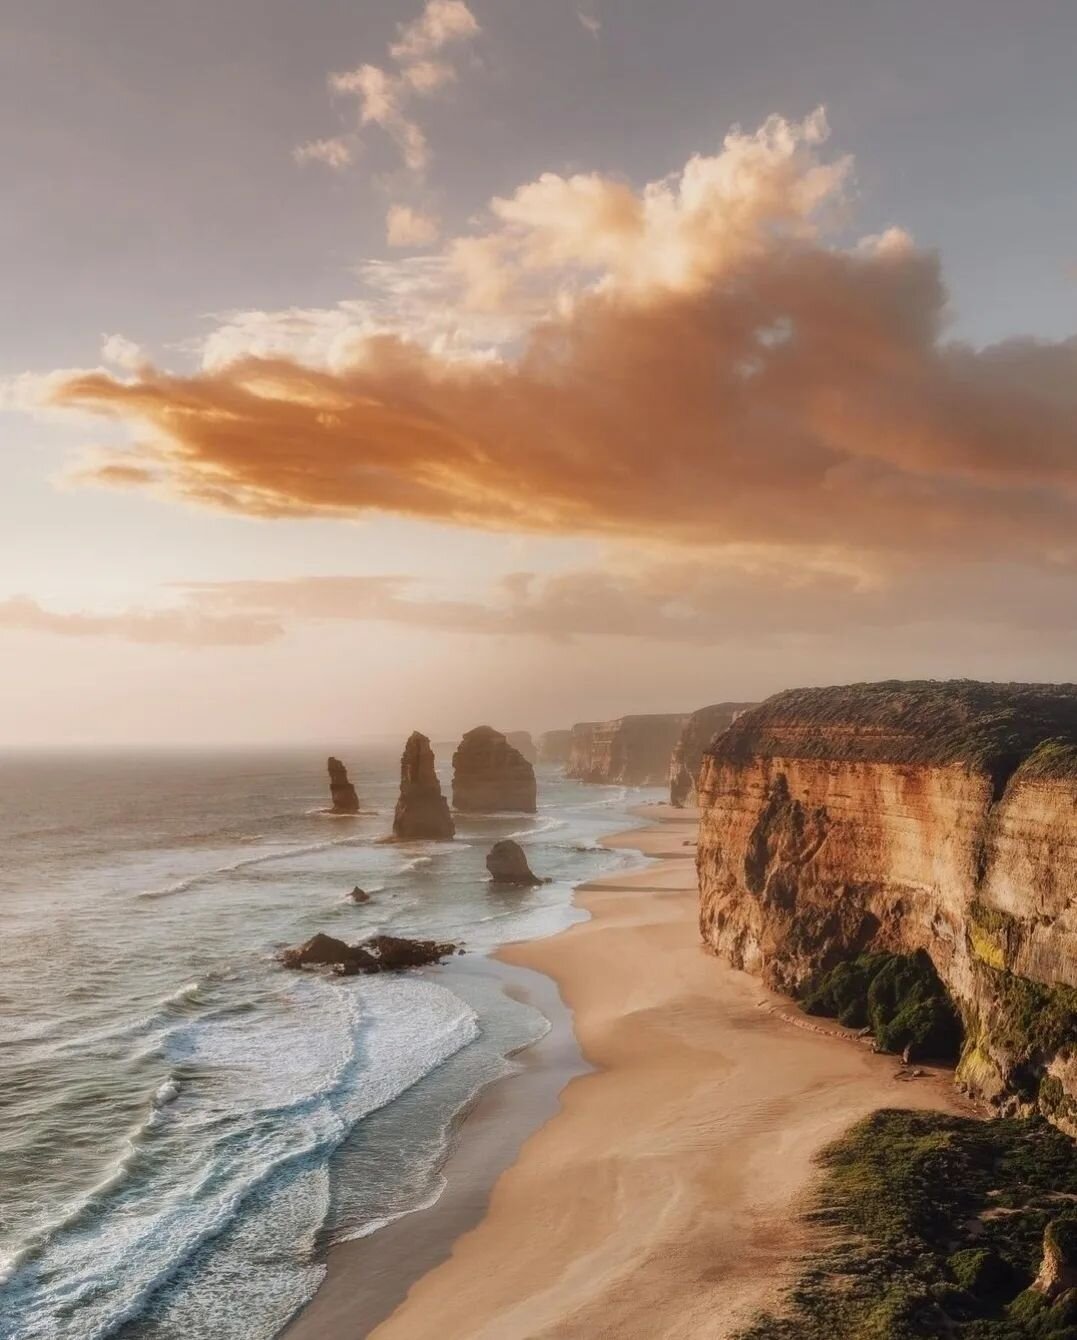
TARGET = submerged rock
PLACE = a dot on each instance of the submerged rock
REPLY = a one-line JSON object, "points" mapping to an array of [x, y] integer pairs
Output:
{"points": [[507, 864], [345, 800], [490, 775], [422, 811], [381, 953]]}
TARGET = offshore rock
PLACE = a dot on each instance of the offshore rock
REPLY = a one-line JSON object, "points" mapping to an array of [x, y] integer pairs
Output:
{"points": [[489, 775], [522, 742], [900, 817], [698, 731], [422, 811], [554, 746], [507, 864], [628, 751], [341, 791], [381, 953], [359, 895]]}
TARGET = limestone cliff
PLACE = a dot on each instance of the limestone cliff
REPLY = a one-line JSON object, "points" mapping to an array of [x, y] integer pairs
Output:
{"points": [[899, 817], [698, 731], [422, 811], [488, 775], [341, 791], [629, 751], [554, 745]]}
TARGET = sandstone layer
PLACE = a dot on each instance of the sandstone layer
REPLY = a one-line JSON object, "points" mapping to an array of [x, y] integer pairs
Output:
{"points": [[489, 775], [341, 791], [554, 746], [909, 816], [698, 731], [422, 811], [629, 751]]}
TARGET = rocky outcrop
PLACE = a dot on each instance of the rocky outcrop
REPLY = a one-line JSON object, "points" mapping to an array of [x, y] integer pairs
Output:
{"points": [[522, 742], [902, 817], [381, 953], [359, 895], [489, 775], [698, 731], [1058, 1269], [507, 864], [341, 791], [422, 811], [554, 746], [629, 751]]}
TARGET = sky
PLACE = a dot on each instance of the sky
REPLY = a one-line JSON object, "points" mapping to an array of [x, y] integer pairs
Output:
{"points": [[370, 366]]}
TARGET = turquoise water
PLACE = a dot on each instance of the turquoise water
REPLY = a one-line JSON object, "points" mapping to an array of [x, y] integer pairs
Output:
{"points": [[183, 1124]]}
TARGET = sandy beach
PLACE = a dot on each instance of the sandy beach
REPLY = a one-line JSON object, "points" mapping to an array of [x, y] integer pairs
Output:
{"points": [[661, 1200]]}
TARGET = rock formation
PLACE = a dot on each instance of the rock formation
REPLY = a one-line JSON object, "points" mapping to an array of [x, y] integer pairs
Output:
{"points": [[698, 731], [1058, 1270], [381, 953], [629, 751], [422, 811], [522, 742], [507, 864], [554, 746], [341, 791], [489, 775], [359, 895], [901, 817]]}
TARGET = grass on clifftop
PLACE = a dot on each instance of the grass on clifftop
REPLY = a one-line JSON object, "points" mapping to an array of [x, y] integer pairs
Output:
{"points": [[898, 996], [935, 1226], [996, 727]]}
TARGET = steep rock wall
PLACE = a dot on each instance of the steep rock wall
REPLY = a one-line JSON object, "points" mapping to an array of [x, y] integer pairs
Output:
{"points": [[698, 731], [904, 817], [628, 751]]}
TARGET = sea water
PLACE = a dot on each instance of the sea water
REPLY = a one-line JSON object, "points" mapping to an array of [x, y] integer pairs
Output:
{"points": [[184, 1125]]}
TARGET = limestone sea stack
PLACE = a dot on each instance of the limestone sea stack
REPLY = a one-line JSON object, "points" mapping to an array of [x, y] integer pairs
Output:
{"points": [[698, 731], [489, 775], [522, 742], [628, 751], [896, 818], [341, 791], [381, 953], [507, 864], [422, 811], [553, 746]]}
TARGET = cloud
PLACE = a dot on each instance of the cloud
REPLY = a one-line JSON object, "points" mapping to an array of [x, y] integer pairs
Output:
{"points": [[590, 22], [407, 227], [122, 353], [187, 626], [417, 69]]}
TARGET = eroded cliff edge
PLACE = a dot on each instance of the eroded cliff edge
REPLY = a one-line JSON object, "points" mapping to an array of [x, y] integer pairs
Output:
{"points": [[907, 816], [628, 751]]}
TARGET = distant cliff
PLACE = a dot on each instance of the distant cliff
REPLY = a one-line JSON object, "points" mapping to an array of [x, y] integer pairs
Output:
{"points": [[911, 816], [630, 751], [554, 746], [698, 731]]}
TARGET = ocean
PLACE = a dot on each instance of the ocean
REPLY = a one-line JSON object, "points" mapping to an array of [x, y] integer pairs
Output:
{"points": [[184, 1125]]}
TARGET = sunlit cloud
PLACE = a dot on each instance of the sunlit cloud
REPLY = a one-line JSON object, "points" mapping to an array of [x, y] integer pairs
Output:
{"points": [[407, 227]]}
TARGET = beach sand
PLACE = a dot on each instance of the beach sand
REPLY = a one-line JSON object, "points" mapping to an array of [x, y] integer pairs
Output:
{"points": [[661, 1200]]}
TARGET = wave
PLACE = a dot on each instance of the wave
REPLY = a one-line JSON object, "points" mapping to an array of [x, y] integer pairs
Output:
{"points": [[546, 826], [209, 876]]}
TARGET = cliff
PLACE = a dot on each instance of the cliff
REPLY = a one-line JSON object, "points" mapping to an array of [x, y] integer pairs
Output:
{"points": [[698, 731], [489, 775], [630, 751], [902, 817], [341, 791], [554, 745], [422, 811]]}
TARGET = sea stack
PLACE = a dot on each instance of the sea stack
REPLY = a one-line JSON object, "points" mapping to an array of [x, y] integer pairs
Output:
{"points": [[490, 775], [345, 801], [554, 746], [521, 740], [422, 811], [507, 864]]}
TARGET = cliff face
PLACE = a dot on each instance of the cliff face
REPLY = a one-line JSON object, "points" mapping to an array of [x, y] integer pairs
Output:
{"points": [[698, 731], [490, 775], [554, 745], [422, 811], [900, 817], [630, 751]]}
